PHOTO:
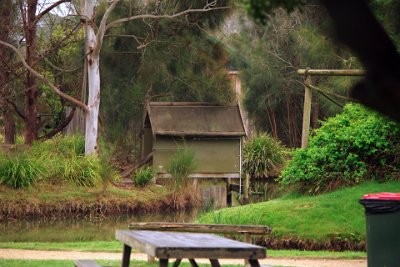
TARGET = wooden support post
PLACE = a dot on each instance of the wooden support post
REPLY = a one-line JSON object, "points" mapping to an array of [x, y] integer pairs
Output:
{"points": [[306, 112], [246, 189], [247, 239], [228, 193]]}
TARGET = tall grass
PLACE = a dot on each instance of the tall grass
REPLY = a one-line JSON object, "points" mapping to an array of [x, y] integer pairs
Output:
{"points": [[182, 163], [60, 159], [143, 176], [19, 171], [263, 156]]}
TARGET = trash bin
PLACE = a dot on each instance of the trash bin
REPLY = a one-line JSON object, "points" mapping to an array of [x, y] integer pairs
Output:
{"points": [[382, 212]]}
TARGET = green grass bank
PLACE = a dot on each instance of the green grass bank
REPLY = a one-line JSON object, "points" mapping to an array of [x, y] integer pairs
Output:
{"points": [[333, 221]]}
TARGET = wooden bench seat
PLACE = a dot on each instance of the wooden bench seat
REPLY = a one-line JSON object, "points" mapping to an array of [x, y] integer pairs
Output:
{"points": [[86, 263]]}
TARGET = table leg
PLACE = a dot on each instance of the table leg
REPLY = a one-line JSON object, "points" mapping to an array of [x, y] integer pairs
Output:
{"points": [[126, 256], [163, 263], [193, 263], [254, 263], [177, 262], [215, 263]]}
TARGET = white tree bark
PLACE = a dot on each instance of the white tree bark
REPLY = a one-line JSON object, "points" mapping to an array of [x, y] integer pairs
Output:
{"points": [[92, 114]]}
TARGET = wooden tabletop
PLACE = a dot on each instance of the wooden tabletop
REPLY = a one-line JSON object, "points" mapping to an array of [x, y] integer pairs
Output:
{"points": [[166, 245]]}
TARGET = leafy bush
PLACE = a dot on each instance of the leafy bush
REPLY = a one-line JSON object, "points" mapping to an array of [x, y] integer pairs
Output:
{"points": [[143, 176], [263, 156], [182, 163], [356, 145], [19, 171]]}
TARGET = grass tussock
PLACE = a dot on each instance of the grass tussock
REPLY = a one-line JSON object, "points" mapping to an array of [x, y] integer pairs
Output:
{"points": [[58, 160]]}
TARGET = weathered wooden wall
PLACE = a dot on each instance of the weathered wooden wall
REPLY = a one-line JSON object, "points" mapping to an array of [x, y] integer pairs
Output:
{"points": [[213, 155]]}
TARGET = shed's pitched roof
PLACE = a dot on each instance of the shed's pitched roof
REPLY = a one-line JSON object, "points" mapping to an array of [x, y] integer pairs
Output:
{"points": [[195, 119]]}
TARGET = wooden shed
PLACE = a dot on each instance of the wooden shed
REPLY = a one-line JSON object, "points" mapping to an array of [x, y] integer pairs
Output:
{"points": [[213, 132]]}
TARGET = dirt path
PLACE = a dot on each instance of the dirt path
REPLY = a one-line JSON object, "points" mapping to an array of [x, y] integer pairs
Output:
{"points": [[73, 255]]}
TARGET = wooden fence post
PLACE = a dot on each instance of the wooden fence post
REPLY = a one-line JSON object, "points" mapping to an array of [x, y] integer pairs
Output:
{"points": [[306, 112]]}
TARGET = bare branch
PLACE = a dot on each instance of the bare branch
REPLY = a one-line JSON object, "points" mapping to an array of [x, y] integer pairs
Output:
{"points": [[60, 127], [43, 79], [207, 8], [58, 68], [102, 28], [19, 113], [47, 10]]}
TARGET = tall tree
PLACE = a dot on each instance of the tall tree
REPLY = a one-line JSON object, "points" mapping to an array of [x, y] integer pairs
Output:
{"points": [[94, 41], [7, 16]]}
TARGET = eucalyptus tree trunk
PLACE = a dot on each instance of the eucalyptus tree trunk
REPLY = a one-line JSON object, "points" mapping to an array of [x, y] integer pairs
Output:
{"points": [[93, 67]]}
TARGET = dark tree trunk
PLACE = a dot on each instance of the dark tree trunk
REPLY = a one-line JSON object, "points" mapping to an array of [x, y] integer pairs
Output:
{"points": [[5, 107], [30, 132]]}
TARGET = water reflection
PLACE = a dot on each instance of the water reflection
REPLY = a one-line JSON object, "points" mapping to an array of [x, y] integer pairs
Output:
{"points": [[89, 229]]}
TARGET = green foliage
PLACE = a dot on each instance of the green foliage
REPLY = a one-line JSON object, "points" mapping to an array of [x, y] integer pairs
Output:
{"points": [[261, 9], [143, 176], [354, 146], [181, 164], [175, 57], [18, 171], [107, 172], [262, 156], [268, 57]]}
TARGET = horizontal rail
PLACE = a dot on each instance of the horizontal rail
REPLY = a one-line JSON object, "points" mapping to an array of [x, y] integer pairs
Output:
{"points": [[201, 228], [322, 72]]}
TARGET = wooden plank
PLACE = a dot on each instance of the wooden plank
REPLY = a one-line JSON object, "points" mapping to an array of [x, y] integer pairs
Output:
{"points": [[125, 237], [201, 228], [324, 72], [188, 245], [86, 263], [203, 175], [188, 133]]}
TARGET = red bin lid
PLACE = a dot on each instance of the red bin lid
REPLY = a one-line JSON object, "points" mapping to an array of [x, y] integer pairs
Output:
{"points": [[383, 196]]}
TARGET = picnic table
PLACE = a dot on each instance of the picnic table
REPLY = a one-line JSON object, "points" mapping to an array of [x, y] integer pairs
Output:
{"points": [[177, 245]]}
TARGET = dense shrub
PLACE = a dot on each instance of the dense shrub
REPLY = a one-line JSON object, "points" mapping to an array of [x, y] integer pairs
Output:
{"points": [[143, 176], [182, 163], [18, 171], [263, 156], [356, 145]]}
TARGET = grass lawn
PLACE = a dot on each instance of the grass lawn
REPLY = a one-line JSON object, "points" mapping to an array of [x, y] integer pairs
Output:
{"points": [[336, 215]]}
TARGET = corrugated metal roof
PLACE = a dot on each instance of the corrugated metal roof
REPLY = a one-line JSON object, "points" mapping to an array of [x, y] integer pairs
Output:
{"points": [[195, 119]]}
